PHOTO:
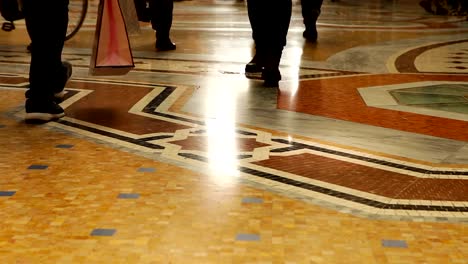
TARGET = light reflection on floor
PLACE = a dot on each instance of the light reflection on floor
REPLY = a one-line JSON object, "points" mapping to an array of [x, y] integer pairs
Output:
{"points": [[360, 155]]}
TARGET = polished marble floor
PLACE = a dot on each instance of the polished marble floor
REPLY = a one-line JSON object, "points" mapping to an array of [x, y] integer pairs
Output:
{"points": [[360, 156]]}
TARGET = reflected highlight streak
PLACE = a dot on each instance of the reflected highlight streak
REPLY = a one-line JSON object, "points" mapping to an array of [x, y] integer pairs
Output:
{"points": [[294, 60], [221, 132]]}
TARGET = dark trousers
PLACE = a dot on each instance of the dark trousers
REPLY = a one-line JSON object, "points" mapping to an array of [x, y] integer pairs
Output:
{"points": [[311, 11], [269, 20], [46, 24], [161, 17]]}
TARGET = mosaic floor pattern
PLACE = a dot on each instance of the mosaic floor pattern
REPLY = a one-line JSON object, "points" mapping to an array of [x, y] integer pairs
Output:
{"points": [[360, 156]]}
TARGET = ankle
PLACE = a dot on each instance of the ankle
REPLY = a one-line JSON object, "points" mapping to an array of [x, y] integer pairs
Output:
{"points": [[271, 76]]}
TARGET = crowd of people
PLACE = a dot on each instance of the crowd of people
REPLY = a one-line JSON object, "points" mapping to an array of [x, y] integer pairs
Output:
{"points": [[446, 7], [48, 73], [270, 23]]}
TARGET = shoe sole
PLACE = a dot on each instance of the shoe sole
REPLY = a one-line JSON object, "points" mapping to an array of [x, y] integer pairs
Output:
{"points": [[42, 117], [165, 49]]}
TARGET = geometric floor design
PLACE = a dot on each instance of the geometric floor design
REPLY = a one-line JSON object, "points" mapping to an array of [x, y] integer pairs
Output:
{"points": [[265, 159], [360, 155]]}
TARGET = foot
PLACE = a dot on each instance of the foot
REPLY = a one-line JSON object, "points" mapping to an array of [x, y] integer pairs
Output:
{"points": [[310, 34], [165, 45], [271, 77], [42, 111], [254, 66]]}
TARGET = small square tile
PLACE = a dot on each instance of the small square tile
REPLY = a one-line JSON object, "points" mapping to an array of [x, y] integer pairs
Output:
{"points": [[146, 170], [247, 237], [128, 196], [7, 193], [252, 200], [38, 167], [64, 146], [103, 232], [394, 243]]}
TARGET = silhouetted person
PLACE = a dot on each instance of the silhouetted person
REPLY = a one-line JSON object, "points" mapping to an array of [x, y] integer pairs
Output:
{"points": [[161, 12], [47, 26], [445, 7], [311, 10], [270, 23]]}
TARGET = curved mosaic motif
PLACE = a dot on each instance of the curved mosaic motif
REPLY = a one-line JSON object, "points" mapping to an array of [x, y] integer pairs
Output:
{"points": [[446, 58]]}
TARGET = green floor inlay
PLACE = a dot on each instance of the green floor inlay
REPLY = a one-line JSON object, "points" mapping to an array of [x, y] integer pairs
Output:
{"points": [[444, 97]]}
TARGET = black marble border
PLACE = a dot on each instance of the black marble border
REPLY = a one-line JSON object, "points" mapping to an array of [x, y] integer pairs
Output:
{"points": [[298, 146], [350, 197], [139, 142], [334, 193]]}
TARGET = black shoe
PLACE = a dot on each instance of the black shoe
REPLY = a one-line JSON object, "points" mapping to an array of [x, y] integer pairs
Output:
{"points": [[271, 77], [310, 34], [42, 111], [165, 45], [254, 66]]}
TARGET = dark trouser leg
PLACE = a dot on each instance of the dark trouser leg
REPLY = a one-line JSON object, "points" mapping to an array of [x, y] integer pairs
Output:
{"points": [[270, 23], [277, 26], [161, 17], [257, 18], [310, 12], [47, 26], [142, 12]]}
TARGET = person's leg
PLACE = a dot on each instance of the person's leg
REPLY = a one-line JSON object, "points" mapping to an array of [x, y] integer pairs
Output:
{"points": [[310, 12], [258, 19], [142, 11], [46, 25], [278, 25], [161, 21]]}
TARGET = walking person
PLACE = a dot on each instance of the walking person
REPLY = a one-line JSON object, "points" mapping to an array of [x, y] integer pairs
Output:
{"points": [[270, 23], [46, 25], [311, 10], [161, 13]]}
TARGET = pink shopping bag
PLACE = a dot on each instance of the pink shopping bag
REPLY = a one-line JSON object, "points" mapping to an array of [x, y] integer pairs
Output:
{"points": [[112, 54]]}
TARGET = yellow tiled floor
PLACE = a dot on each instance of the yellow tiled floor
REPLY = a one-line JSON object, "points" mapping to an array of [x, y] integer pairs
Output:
{"points": [[181, 216], [185, 204]]}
